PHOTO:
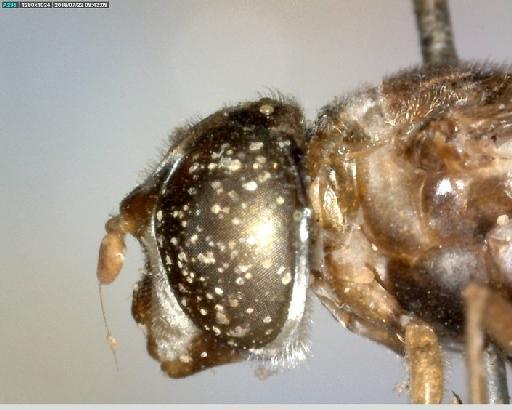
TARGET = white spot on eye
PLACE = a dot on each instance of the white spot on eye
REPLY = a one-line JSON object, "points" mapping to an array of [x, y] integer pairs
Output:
{"points": [[209, 295], [218, 307], [255, 165], [280, 270], [182, 256], [225, 209], [221, 318], [233, 195], [248, 275], [233, 302], [202, 278], [184, 301], [286, 278], [185, 207], [215, 208], [250, 186], [193, 168], [264, 177], [159, 215], [182, 288], [267, 263], [249, 310], [185, 358], [261, 159], [231, 164], [239, 281], [243, 205], [280, 200], [184, 223], [218, 291], [216, 184], [267, 319], [208, 259], [212, 165], [203, 311], [269, 331], [284, 143], [193, 239], [216, 330], [192, 191], [168, 260], [231, 245], [238, 331], [204, 354], [174, 241], [255, 146], [235, 221]]}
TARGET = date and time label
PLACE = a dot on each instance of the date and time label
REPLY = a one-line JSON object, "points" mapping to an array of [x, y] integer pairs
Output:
{"points": [[55, 4]]}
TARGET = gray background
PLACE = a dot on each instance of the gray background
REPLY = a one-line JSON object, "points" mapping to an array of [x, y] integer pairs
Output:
{"points": [[88, 97]]}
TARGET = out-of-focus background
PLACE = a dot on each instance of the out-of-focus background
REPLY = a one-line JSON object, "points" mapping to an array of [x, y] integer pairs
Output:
{"points": [[88, 98]]}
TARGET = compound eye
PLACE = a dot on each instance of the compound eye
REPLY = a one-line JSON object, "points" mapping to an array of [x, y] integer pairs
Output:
{"points": [[230, 229]]}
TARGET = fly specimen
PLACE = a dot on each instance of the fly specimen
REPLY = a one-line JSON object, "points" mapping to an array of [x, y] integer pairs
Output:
{"points": [[409, 187]]}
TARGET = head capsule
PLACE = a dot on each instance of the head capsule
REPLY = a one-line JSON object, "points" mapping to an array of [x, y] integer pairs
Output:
{"points": [[225, 232]]}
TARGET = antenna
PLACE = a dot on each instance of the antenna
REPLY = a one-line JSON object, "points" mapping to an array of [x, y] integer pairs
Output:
{"points": [[112, 342]]}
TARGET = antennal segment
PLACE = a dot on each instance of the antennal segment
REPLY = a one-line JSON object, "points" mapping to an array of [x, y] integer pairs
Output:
{"points": [[435, 31]]}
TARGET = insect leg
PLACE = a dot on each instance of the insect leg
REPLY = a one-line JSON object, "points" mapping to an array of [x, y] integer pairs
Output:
{"points": [[435, 31], [425, 359], [486, 313], [386, 336]]}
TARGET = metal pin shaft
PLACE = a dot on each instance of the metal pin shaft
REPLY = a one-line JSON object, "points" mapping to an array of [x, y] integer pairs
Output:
{"points": [[497, 391], [435, 31]]}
